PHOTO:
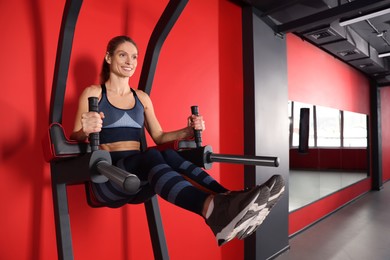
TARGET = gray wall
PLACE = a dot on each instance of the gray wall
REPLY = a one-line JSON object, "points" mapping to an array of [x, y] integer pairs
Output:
{"points": [[265, 125]]}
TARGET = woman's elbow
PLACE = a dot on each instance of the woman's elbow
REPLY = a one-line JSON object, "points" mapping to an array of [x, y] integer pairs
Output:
{"points": [[158, 139]]}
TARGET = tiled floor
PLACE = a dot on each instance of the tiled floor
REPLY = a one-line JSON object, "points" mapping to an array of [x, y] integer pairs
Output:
{"points": [[359, 231]]}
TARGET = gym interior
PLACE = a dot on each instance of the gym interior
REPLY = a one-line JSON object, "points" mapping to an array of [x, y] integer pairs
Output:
{"points": [[249, 69]]}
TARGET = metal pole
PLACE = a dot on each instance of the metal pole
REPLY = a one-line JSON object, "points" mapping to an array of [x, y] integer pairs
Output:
{"points": [[244, 159]]}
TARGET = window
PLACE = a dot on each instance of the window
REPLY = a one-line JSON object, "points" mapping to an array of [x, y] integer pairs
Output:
{"points": [[355, 130], [329, 127]]}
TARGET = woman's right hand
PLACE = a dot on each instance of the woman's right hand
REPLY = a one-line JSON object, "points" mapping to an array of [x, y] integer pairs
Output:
{"points": [[92, 122]]}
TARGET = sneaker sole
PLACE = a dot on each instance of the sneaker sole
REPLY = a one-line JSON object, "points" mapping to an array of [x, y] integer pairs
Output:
{"points": [[257, 221]]}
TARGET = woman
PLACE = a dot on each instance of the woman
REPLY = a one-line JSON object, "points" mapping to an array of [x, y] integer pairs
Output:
{"points": [[124, 113]]}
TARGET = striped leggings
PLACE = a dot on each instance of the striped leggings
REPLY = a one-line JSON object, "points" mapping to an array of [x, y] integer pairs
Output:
{"points": [[174, 179]]}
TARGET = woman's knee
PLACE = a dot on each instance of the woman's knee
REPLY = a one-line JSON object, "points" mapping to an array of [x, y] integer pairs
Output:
{"points": [[169, 153], [173, 158], [153, 154]]}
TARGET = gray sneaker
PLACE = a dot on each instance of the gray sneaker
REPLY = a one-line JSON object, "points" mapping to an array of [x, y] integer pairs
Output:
{"points": [[276, 186], [227, 217]]}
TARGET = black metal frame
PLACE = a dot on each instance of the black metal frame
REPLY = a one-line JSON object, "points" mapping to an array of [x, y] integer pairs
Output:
{"points": [[62, 171]]}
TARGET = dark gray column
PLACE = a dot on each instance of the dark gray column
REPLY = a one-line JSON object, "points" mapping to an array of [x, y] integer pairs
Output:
{"points": [[376, 137], [266, 125]]}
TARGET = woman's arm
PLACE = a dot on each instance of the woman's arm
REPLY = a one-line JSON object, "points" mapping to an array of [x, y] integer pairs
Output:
{"points": [[155, 130]]}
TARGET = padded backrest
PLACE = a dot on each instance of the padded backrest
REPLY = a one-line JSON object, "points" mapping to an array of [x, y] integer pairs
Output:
{"points": [[56, 145]]}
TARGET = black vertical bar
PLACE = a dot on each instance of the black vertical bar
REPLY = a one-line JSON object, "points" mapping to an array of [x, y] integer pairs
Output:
{"points": [[376, 136], [249, 93], [64, 49], [304, 127], [159, 34], [62, 220], [156, 229]]}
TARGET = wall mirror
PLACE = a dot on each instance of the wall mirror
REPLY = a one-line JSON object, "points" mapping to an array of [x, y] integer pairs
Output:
{"points": [[328, 151]]}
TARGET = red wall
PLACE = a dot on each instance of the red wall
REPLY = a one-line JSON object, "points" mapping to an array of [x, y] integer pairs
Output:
{"points": [[200, 64], [315, 77], [385, 121]]}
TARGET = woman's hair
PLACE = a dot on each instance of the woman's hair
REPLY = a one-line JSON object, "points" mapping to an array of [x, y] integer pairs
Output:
{"points": [[111, 47]]}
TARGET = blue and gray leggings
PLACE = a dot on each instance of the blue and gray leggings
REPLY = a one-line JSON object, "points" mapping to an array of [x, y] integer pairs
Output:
{"points": [[171, 177]]}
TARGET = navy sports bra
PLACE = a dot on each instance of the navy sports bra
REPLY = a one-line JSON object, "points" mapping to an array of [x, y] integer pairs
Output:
{"points": [[120, 124]]}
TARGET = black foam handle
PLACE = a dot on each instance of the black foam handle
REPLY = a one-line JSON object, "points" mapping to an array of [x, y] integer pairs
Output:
{"points": [[93, 106], [197, 133]]}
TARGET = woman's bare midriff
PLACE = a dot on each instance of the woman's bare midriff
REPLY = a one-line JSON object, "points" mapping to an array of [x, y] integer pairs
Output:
{"points": [[121, 146]]}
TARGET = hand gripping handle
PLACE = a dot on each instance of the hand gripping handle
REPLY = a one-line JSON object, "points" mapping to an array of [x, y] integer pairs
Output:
{"points": [[93, 106], [197, 133]]}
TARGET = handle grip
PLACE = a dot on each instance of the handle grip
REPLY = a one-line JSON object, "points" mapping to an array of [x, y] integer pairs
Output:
{"points": [[197, 133], [93, 106]]}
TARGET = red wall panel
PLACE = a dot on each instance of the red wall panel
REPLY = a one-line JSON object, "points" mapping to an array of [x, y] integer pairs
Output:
{"points": [[315, 77], [385, 123]]}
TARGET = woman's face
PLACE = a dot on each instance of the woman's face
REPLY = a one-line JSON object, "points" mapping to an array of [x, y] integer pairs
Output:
{"points": [[124, 60]]}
